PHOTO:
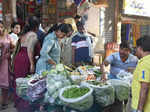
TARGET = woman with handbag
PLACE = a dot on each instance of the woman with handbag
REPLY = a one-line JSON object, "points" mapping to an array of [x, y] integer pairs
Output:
{"points": [[24, 59]]}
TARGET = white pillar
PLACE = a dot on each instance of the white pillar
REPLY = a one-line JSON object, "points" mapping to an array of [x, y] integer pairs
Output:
{"points": [[14, 15]]}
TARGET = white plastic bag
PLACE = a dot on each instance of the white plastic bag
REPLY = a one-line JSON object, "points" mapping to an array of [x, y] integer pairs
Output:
{"points": [[122, 89], [125, 76], [21, 86], [54, 83], [104, 95], [82, 103], [36, 91]]}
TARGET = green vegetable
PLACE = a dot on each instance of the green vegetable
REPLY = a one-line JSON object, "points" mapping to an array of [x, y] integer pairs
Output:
{"points": [[44, 73], [104, 96], [97, 83], [97, 73], [60, 67], [29, 76], [88, 66], [75, 92]]}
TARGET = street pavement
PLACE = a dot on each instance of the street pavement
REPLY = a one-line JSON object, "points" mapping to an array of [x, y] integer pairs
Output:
{"points": [[10, 108]]}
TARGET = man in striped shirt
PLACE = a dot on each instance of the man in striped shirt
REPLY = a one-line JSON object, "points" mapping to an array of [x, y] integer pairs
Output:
{"points": [[81, 47]]}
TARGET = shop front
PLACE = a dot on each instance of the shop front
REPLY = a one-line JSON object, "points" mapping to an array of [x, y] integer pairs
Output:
{"points": [[135, 20]]}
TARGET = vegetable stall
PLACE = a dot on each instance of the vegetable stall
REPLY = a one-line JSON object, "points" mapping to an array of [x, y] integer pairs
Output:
{"points": [[77, 89]]}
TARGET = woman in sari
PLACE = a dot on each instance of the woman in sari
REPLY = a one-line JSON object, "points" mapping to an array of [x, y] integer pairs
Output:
{"points": [[50, 52], [5, 45], [24, 59]]}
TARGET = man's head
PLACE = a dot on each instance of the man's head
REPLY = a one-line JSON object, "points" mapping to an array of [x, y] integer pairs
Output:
{"points": [[142, 46], [124, 50], [80, 27]]}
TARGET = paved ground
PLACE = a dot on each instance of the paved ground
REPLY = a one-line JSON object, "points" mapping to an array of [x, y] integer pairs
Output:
{"points": [[10, 109], [10, 106]]}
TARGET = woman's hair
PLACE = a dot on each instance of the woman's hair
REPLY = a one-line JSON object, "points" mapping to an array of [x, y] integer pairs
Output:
{"points": [[14, 24], [77, 17], [1, 22], [53, 28], [65, 28], [32, 24], [4, 30]]}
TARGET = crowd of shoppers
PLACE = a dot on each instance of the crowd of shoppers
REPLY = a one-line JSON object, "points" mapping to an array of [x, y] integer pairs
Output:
{"points": [[30, 50]]}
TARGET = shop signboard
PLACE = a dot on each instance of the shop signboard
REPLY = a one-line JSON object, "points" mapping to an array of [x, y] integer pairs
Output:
{"points": [[137, 8]]}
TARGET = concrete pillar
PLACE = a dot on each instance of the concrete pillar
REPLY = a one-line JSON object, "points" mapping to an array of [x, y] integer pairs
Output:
{"points": [[14, 15], [108, 22]]}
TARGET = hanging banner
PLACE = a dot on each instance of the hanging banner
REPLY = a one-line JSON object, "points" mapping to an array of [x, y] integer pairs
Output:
{"points": [[137, 7]]}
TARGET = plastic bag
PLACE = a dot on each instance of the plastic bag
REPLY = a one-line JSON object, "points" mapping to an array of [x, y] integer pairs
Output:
{"points": [[22, 86], [54, 83], [36, 91], [122, 89], [104, 94], [82, 103], [125, 76]]}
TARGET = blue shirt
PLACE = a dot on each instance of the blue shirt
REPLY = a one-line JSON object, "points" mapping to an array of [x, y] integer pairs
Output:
{"points": [[117, 64], [50, 50], [81, 48]]}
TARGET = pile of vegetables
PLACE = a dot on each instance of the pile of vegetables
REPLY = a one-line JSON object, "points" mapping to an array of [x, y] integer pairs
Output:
{"points": [[77, 97], [98, 83], [56, 79], [75, 92]]}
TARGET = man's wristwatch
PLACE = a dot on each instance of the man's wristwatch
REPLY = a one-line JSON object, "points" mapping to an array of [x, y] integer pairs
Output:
{"points": [[139, 111]]}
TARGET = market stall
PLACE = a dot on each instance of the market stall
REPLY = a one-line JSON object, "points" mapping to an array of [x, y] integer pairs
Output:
{"points": [[77, 89]]}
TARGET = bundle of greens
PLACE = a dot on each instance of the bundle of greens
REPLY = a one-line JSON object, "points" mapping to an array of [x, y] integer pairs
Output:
{"points": [[75, 92], [77, 97], [105, 96], [54, 83], [98, 83]]}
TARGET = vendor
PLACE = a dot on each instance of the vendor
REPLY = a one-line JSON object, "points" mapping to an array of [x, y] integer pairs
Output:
{"points": [[122, 60]]}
